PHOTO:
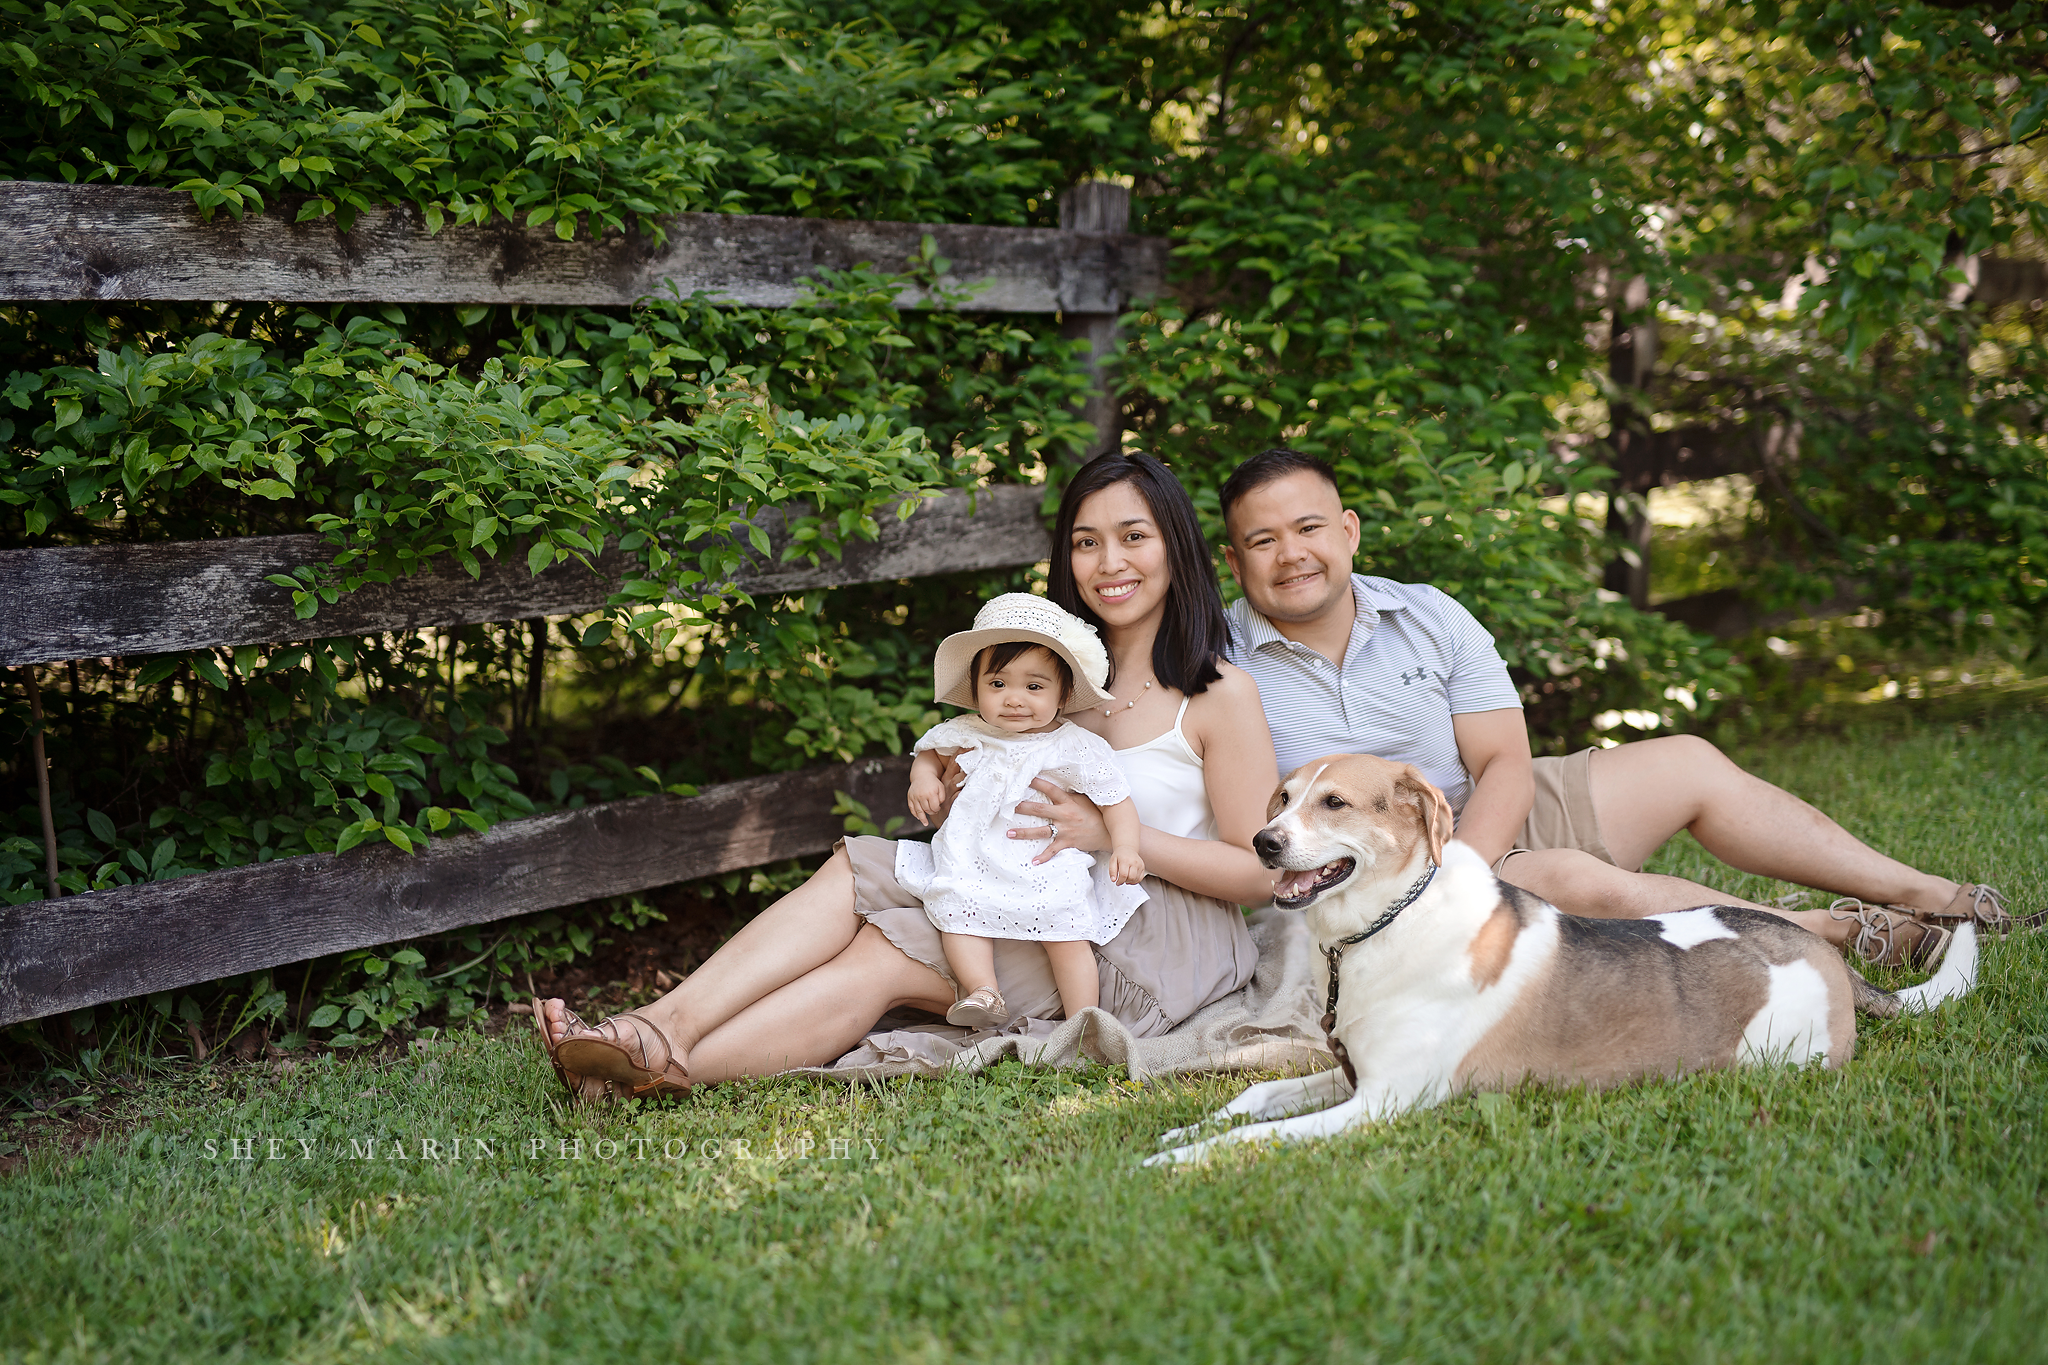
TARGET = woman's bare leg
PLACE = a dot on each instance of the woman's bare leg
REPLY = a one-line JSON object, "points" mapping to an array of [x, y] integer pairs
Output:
{"points": [[819, 1016], [1075, 973], [806, 929]]}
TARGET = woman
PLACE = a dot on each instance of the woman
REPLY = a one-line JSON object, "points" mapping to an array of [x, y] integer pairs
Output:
{"points": [[807, 978]]}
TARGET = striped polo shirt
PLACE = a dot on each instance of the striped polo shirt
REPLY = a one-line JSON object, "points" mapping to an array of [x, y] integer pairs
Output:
{"points": [[1415, 659]]}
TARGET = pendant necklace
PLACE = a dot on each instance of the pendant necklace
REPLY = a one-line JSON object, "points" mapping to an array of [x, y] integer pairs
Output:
{"points": [[1108, 711]]}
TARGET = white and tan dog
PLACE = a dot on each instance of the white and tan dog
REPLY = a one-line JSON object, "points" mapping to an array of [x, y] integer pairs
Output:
{"points": [[1448, 980]]}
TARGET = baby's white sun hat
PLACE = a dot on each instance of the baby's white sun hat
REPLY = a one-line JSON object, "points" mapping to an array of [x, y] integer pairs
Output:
{"points": [[1028, 617]]}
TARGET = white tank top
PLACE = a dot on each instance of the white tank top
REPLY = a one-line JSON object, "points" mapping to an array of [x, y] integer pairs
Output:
{"points": [[1167, 785]]}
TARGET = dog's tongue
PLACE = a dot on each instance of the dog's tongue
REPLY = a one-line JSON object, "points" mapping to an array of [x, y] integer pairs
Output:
{"points": [[1296, 884]]}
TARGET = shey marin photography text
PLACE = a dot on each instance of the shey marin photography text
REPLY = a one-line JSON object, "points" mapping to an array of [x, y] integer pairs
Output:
{"points": [[466, 1150]]}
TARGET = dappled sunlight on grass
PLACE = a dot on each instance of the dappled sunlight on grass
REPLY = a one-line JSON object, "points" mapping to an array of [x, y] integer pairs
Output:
{"points": [[1893, 1209]]}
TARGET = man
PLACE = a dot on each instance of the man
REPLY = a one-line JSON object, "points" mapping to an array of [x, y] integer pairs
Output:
{"points": [[1351, 664]]}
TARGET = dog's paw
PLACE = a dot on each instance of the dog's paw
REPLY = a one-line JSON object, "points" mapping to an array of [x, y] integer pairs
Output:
{"points": [[1179, 1156], [1220, 1121]]}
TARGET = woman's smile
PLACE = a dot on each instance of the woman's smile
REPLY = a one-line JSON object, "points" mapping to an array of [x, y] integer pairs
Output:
{"points": [[1119, 558]]}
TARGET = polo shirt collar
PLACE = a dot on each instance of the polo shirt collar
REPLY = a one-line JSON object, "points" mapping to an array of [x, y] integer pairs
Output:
{"points": [[1367, 604]]}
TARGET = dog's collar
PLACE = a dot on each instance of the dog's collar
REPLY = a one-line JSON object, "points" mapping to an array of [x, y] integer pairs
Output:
{"points": [[1335, 954]]}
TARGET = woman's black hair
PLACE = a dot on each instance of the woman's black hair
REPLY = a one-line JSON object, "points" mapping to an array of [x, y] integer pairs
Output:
{"points": [[995, 658], [1194, 633]]}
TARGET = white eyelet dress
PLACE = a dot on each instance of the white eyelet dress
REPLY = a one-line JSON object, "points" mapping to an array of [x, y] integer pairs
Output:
{"points": [[975, 879], [1176, 953]]}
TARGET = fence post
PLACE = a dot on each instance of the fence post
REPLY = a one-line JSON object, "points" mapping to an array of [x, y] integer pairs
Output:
{"points": [[1631, 362], [1097, 206]]}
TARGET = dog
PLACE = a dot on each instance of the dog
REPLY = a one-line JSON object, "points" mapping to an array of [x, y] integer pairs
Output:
{"points": [[1445, 979]]}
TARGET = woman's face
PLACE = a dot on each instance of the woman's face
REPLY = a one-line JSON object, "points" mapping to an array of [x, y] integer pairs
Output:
{"points": [[1119, 556]]}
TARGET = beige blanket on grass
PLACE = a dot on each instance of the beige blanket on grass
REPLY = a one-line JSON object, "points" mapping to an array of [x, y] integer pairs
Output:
{"points": [[1268, 1025]]}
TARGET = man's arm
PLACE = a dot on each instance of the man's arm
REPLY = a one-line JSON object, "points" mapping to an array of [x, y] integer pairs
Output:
{"points": [[1494, 747]]}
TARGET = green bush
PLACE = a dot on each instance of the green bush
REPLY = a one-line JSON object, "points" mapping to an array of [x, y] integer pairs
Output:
{"points": [[1384, 221]]}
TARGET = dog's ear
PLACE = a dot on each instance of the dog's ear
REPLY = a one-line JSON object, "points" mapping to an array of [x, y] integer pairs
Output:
{"points": [[1279, 799], [1433, 810]]}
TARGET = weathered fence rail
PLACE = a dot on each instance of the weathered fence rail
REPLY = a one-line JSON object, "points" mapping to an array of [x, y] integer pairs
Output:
{"points": [[94, 601], [125, 242], [82, 243], [58, 955]]}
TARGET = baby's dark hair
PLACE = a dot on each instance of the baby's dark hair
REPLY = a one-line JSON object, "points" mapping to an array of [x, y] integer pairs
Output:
{"points": [[995, 658]]}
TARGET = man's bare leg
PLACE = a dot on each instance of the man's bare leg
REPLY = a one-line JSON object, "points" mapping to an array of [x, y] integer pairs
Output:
{"points": [[1645, 792]]}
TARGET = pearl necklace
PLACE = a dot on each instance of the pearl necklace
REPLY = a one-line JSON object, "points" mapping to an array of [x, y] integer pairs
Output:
{"points": [[1108, 711]]}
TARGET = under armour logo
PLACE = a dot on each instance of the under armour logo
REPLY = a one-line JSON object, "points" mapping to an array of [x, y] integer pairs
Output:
{"points": [[1419, 675]]}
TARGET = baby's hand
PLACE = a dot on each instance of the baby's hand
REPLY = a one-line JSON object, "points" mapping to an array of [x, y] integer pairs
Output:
{"points": [[1126, 868], [927, 798]]}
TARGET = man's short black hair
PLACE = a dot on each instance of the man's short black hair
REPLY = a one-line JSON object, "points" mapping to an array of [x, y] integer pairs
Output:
{"points": [[1267, 466]]}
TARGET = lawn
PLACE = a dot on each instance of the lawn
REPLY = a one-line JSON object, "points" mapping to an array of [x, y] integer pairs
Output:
{"points": [[1892, 1210]]}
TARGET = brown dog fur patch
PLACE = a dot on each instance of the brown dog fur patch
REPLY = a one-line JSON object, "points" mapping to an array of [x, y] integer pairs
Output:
{"points": [[1493, 945], [1618, 1003]]}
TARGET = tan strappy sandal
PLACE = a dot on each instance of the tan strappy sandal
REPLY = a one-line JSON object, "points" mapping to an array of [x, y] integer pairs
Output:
{"points": [[629, 1051], [1877, 939], [587, 1088]]}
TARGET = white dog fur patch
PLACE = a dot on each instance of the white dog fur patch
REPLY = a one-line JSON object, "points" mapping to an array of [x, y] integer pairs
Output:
{"points": [[1793, 1024], [1690, 928]]}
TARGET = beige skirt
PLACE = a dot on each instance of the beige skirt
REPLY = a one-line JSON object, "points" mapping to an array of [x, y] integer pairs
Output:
{"points": [[1178, 952]]}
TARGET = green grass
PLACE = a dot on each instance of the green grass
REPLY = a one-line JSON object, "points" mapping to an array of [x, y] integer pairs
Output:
{"points": [[1892, 1210]]}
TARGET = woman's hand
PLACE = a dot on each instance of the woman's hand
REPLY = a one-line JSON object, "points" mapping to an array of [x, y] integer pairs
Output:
{"points": [[1073, 821]]}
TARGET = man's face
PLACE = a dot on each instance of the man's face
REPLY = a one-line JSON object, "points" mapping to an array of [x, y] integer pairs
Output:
{"points": [[1291, 543]]}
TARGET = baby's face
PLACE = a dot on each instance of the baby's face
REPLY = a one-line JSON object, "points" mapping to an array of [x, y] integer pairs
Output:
{"points": [[1023, 696]]}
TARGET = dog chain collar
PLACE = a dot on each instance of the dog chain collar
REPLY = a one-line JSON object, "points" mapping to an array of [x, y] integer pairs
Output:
{"points": [[1335, 954]]}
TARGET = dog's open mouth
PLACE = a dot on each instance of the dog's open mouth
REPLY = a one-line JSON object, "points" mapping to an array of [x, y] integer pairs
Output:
{"points": [[1297, 889]]}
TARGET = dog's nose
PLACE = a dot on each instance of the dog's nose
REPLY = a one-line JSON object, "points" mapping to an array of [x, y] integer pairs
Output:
{"points": [[1269, 844]]}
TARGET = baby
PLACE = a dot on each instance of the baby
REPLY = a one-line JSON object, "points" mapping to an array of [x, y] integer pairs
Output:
{"points": [[1024, 663]]}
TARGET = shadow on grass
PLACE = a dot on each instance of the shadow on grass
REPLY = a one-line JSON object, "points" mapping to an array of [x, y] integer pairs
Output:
{"points": [[1890, 1210]]}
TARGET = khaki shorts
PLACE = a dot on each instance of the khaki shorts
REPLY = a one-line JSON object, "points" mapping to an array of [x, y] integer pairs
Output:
{"points": [[1563, 815]]}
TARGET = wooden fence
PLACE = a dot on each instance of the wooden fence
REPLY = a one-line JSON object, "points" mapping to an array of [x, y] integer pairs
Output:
{"points": [[61, 242]]}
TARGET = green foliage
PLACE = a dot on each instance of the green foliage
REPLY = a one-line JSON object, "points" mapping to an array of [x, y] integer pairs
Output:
{"points": [[539, 112], [1388, 223], [1359, 304], [586, 115]]}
